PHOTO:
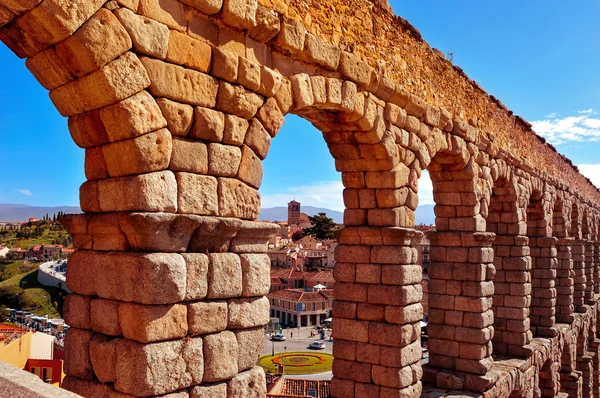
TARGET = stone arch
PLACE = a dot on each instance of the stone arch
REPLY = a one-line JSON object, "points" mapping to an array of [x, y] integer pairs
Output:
{"points": [[512, 284], [565, 281]]}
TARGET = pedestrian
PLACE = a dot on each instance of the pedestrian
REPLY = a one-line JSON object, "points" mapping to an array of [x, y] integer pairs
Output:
{"points": [[292, 334]]}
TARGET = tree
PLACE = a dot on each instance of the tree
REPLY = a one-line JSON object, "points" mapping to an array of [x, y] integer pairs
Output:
{"points": [[322, 228]]}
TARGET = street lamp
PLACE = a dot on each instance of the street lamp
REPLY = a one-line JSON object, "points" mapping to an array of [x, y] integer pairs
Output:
{"points": [[272, 347]]}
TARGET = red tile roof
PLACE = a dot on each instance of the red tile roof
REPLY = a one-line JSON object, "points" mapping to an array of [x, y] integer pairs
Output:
{"points": [[292, 273], [300, 388], [301, 295]]}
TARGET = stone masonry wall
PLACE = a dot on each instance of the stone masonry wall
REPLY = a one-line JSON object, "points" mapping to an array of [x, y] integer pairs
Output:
{"points": [[176, 104]]}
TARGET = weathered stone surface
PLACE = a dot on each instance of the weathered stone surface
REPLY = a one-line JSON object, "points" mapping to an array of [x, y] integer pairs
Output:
{"points": [[250, 168], [49, 69], [132, 117], [207, 317], [206, 6], [224, 276], [189, 52], [250, 344], [321, 53], [76, 311], [196, 194], [77, 353], [236, 199], [248, 313], [256, 276], [267, 25], [271, 117], [100, 40], [217, 390], [235, 129], [103, 354], [158, 232], [216, 347], [158, 368], [240, 13], [193, 87], [87, 129], [146, 192], [238, 101], [190, 156], [225, 65], [144, 154], [169, 12], [258, 139], [291, 36], [95, 165], [223, 160], [179, 116], [104, 317], [148, 36], [112, 83], [250, 384], [208, 125], [150, 323], [197, 275]]}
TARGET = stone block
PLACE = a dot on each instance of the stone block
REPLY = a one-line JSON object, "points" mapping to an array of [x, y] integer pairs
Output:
{"points": [[249, 384], [192, 87], [151, 323], [302, 91], [250, 169], [217, 390], [20, 6], [250, 345], [196, 194], [95, 165], [144, 154], [238, 200], [112, 83], [189, 52], [77, 353], [248, 313], [223, 160], [291, 37], [271, 117], [352, 330], [148, 36], [256, 277], [196, 275], [234, 132], [350, 370], [159, 368], [208, 125], [76, 311], [225, 65], [238, 101], [179, 117], [258, 139], [103, 355], [240, 14], [267, 25], [224, 276], [169, 12], [393, 377], [49, 69], [104, 317], [220, 354], [87, 129], [100, 40], [393, 335], [354, 69], [189, 156], [321, 53], [248, 74], [207, 317], [119, 276]]}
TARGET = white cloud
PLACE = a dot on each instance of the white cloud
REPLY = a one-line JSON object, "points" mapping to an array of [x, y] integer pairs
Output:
{"points": [[326, 194], [591, 171], [582, 128], [552, 115], [25, 192]]}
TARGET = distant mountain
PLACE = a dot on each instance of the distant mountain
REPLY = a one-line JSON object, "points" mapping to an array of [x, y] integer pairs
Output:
{"points": [[423, 215], [22, 213]]}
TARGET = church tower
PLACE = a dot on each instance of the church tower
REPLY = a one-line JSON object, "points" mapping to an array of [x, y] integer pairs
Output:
{"points": [[294, 213]]}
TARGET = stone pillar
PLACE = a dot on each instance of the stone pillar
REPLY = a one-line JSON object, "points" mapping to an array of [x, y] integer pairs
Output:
{"points": [[543, 304], [565, 282], [460, 327], [590, 269], [549, 379], [595, 349], [597, 267], [377, 313], [578, 256], [585, 366], [165, 302]]}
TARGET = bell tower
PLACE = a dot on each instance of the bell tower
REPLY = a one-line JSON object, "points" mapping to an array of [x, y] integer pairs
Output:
{"points": [[293, 213]]}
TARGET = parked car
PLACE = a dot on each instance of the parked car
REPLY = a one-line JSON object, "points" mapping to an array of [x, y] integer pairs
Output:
{"points": [[317, 345], [278, 337]]}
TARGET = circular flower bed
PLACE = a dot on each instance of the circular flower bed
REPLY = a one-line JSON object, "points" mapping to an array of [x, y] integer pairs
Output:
{"points": [[297, 363]]}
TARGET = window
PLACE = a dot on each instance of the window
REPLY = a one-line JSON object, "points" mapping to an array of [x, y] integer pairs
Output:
{"points": [[323, 305], [313, 306]]}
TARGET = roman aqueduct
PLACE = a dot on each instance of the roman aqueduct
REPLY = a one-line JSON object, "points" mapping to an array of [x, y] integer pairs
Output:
{"points": [[176, 103]]}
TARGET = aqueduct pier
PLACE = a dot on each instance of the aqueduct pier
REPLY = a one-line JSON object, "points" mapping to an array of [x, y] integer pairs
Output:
{"points": [[176, 104]]}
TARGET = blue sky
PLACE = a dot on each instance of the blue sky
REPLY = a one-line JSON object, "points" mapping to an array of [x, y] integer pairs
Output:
{"points": [[539, 57]]}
